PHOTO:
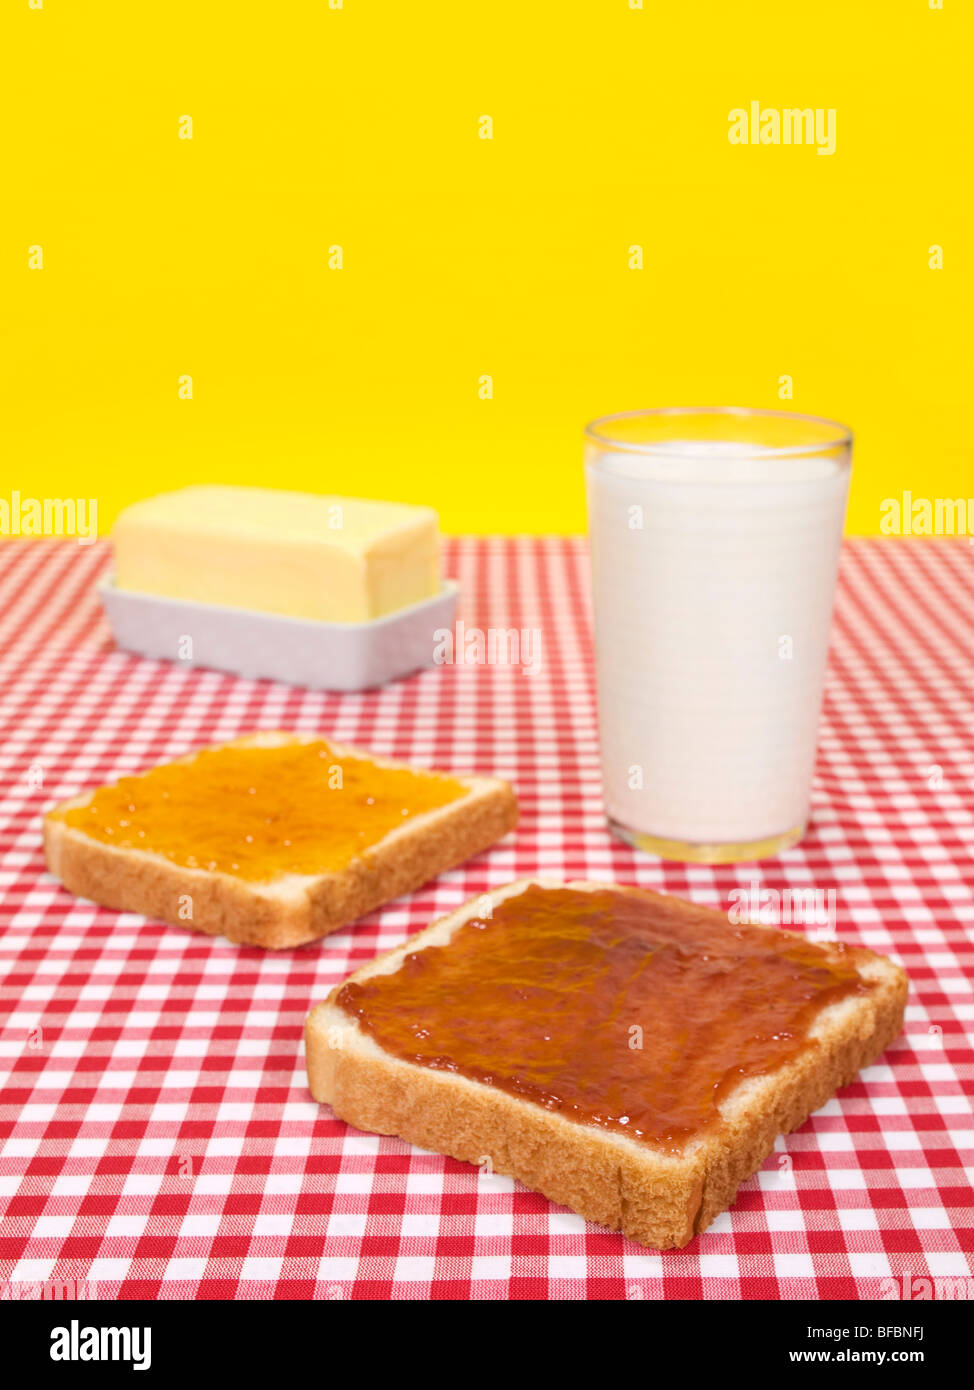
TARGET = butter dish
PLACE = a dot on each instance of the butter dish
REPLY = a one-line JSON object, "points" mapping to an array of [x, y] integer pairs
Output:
{"points": [[269, 646]]}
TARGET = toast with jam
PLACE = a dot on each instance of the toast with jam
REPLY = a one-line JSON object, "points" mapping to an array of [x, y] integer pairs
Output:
{"points": [[630, 1055], [273, 839]]}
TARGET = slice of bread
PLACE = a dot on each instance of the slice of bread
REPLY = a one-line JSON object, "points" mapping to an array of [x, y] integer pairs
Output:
{"points": [[290, 909], [656, 1194]]}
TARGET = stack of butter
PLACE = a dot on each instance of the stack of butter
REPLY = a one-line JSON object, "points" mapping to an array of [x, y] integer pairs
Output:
{"points": [[325, 591]]}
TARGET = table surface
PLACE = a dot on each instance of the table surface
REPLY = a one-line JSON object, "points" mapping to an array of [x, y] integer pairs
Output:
{"points": [[158, 1137]]}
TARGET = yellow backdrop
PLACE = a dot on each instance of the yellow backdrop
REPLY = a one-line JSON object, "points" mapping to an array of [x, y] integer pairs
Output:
{"points": [[357, 132]]}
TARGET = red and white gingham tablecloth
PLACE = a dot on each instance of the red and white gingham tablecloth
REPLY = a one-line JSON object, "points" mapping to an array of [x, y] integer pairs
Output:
{"points": [[158, 1139]]}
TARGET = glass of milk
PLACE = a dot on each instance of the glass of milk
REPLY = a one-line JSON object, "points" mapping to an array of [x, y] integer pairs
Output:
{"points": [[715, 537]]}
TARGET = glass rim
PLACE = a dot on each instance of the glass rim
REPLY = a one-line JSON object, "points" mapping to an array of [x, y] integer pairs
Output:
{"points": [[838, 436]]}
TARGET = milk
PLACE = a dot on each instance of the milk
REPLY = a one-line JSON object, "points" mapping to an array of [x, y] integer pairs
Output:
{"points": [[713, 573]]}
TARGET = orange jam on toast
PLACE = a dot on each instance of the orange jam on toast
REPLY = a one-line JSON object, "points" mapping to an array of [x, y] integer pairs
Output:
{"points": [[615, 1007], [261, 812]]}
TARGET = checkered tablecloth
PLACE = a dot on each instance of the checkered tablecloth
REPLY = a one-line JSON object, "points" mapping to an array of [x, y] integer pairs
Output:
{"points": [[158, 1139]]}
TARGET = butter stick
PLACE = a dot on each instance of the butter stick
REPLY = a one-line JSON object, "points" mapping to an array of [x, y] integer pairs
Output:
{"points": [[305, 555]]}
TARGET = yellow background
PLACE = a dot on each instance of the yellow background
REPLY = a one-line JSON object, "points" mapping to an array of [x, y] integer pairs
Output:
{"points": [[465, 257]]}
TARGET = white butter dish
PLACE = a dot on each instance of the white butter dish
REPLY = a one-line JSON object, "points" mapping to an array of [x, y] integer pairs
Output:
{"points": [[299, 651]]}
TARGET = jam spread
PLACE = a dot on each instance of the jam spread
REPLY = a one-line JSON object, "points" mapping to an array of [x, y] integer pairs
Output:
{"points": [[613, 1007], [261, 812]]}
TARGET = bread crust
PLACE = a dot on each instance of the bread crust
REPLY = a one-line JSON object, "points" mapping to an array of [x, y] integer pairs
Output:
{"points": [[288, 912], [656, 1198]]}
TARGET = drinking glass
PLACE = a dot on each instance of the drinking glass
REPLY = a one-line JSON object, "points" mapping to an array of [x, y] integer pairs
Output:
{"points": [[715, 538]]}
